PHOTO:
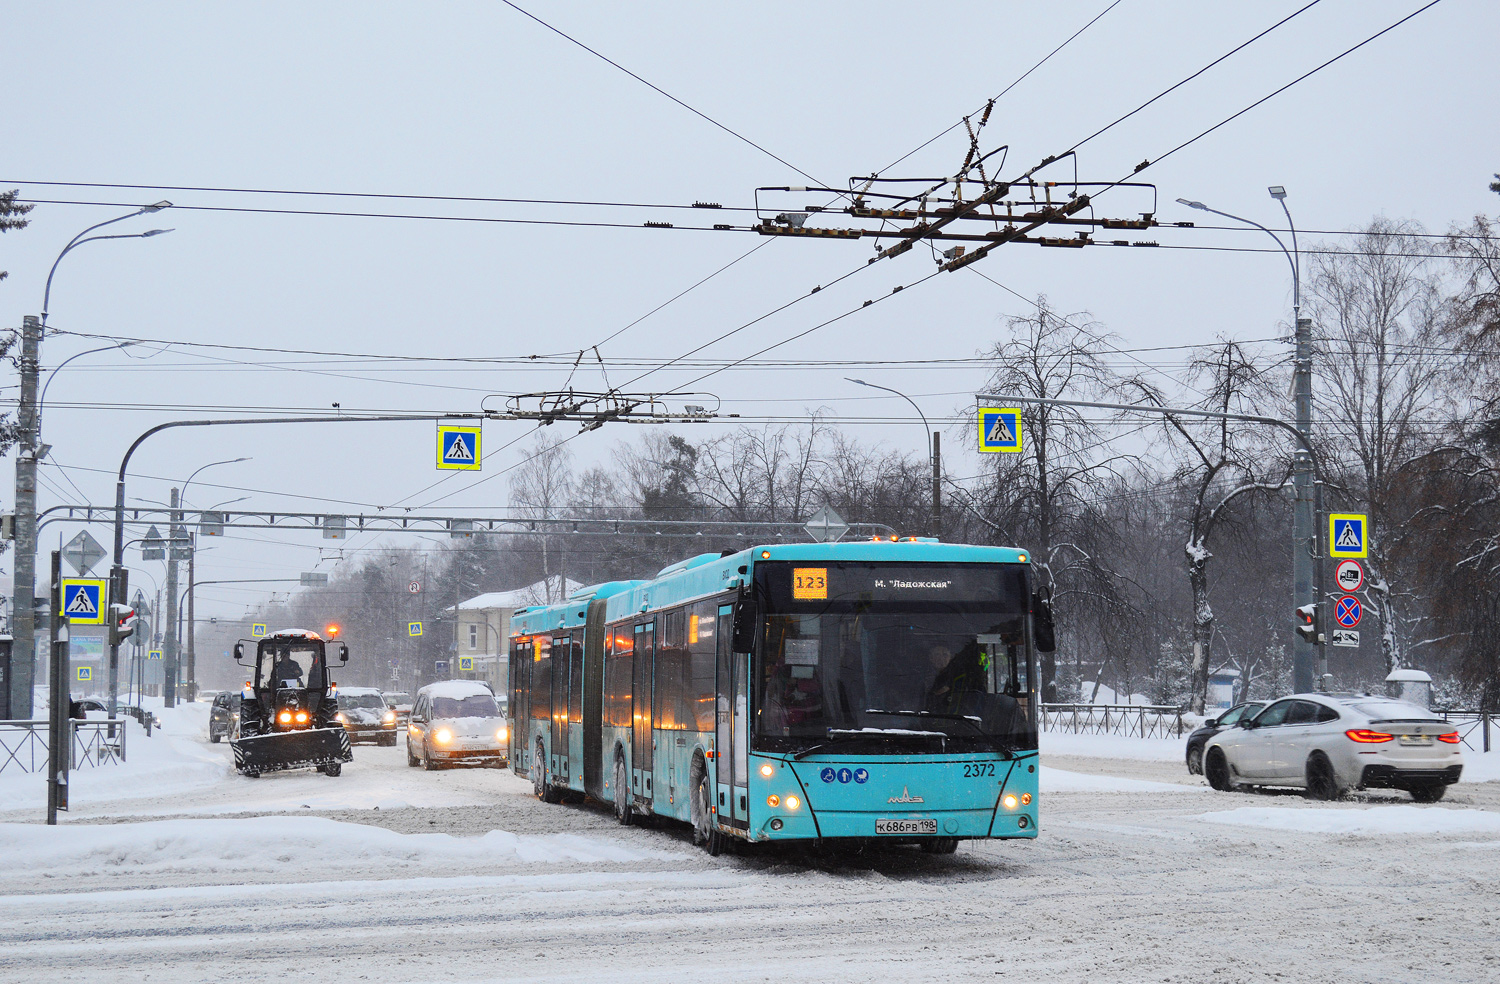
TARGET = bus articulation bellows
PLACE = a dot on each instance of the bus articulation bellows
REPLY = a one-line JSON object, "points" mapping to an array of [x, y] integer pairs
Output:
{"points": [[880, 690]]}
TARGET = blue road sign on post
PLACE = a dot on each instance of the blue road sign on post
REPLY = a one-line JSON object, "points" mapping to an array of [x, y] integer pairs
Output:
{"points": [[466, 664], [1348, 535], [83, 600], [999, 429], [458, 448], [1347, 611], [413, 629], [153, 654], [85, 674], [257, 630]]}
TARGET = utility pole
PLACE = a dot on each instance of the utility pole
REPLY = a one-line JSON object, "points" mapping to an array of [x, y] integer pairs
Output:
{"points": [[937, 484], [169, 656], [1305, 654], [23, 603]]}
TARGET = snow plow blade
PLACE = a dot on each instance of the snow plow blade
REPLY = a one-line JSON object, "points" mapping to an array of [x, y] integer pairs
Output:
{"points": [[291, 750]]}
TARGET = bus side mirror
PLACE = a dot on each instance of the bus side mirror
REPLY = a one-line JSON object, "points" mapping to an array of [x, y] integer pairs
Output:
{"points": [[746, 615], [1043, 630]]}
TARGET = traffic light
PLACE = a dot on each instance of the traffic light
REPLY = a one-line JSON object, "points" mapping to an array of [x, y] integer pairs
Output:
{"points": [[122, 623], [1307, 623]]}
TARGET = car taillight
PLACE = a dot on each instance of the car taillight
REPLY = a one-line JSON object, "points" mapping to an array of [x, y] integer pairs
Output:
{"points": [[1366, 736], [1451, 738]]}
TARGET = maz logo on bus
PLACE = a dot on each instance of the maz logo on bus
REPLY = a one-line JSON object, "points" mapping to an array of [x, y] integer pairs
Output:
{"points": [[906, 797]]}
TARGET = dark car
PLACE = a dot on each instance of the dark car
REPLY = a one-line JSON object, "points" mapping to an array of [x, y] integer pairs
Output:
{"points": [[221, 716], [365, 716], [1213, 726]]}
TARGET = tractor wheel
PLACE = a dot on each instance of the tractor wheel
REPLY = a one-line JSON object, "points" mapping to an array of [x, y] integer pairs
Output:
{"points": [[333, 769]]}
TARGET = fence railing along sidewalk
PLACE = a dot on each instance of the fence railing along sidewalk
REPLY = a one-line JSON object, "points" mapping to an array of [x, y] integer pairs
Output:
{"points": [[23, 744], [1126, 720]]}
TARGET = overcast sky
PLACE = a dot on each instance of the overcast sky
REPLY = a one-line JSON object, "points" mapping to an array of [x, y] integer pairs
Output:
{"points": [[475, 100]]}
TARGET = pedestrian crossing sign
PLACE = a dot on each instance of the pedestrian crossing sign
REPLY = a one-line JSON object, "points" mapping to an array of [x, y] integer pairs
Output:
{"points": [[258, 630], [1348, 535], [85, 674], [999, 429], [153, 654], [83, 600], [458, 448], [466, 664], [413, 629]]}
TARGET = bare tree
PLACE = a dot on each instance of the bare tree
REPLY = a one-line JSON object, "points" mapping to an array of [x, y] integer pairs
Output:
{"points": [[1217, 465], [1378, 309], [1037, 498], [541, 487]]}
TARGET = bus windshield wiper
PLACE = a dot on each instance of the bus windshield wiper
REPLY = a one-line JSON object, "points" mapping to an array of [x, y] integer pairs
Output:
{"points": [[995, 743], [834, 737]]}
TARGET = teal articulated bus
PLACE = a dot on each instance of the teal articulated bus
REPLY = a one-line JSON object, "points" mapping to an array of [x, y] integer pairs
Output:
{"points": [[870, 691]]}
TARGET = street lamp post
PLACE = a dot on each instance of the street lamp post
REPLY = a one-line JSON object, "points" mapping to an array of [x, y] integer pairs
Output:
{"points": [[934, 438], [1308, 658], [30, 451]]}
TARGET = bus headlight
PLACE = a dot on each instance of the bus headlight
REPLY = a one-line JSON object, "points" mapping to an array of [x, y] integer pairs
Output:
{"points": [[767, 769], [1010, 801], [792, 802], [773, 800]]}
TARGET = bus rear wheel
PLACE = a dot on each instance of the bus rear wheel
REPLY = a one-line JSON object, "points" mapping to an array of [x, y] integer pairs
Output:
{"points": [[940, 845], [624, 815]]}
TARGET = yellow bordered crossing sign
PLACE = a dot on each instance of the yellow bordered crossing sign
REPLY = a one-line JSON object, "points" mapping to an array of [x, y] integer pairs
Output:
{"points": [[466, 664], [85, 674], [1348, 535], [999, 429], [258, 630], [413, 629], [458, 448], [83, 600]]}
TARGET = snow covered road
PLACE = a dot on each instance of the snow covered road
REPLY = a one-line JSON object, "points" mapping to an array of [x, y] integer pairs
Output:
{"points": [[1140, 874]]}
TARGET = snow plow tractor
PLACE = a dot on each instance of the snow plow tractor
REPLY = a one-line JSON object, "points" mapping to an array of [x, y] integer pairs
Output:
{"points": [[289, 708]]}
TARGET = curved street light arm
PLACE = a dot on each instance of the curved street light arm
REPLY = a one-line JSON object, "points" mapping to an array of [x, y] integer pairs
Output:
{"points": [[79, 240], [903, 396], [1291, 260]]}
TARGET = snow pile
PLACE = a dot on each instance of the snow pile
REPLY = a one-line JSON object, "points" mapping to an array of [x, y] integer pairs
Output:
{"points": [[270, 844], [1113, 746], [1051, 780], [172, 761], [1481, 766], [1371, 822]]}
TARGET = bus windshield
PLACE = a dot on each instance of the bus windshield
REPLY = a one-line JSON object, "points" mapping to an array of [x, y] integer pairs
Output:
{"points": [[895, 658]]}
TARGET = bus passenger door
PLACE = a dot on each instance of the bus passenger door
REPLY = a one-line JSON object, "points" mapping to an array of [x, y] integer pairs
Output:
{"points": [[642, 679], [731, 721], [561, 665]]}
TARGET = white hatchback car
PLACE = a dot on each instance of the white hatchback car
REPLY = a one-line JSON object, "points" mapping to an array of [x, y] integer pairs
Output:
{"points": [[1329, 744], [456, 721]]}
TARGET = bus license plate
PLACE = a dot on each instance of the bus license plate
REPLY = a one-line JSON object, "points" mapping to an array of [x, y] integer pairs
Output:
{"points": [[928, 826]]}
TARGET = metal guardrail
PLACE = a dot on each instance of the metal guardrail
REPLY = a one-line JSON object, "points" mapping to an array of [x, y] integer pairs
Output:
{"points": [[23, 744], [1470, 722], [1126, 720]]}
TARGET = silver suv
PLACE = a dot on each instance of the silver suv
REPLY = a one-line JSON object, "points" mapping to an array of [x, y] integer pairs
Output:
{"points": [[1329, 744]]}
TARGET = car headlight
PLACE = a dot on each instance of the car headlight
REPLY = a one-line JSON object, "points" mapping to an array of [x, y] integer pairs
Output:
{"points": [[442, 736], [390, 717], [502, 734]]}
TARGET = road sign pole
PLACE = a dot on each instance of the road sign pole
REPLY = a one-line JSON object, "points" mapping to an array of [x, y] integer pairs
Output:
{"points": [[169, 662], [58, 709]]}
